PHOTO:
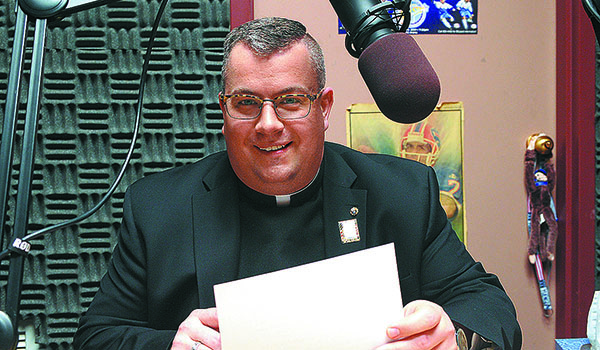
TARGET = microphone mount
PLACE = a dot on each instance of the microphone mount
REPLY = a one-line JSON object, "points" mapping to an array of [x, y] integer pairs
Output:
{"points": [[386, 17]]}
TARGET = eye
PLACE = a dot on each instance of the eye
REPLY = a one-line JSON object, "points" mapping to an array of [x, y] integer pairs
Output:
{"points": [[289, 100], [246, 101]]}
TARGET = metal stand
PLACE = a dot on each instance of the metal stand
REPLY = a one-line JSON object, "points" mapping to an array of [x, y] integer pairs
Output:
{"points": [[15, 273], [46, 9]]}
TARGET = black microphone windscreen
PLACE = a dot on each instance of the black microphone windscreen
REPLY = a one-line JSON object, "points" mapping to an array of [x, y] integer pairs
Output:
{"points": [[401, 80]]}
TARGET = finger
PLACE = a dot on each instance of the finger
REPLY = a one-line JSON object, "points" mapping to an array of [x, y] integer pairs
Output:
{"points": [[425, 326], [208, 331], [447, 345], [200, 326], [208, 338], [200, 346], [208, 317], [419, 317], [437, 339]]}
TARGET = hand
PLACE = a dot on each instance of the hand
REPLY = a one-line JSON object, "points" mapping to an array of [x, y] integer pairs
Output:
{"points": [[425, 326], [202, 326]]}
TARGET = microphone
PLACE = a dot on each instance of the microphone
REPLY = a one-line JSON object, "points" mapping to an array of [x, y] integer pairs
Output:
{"points": [[401, 80]]}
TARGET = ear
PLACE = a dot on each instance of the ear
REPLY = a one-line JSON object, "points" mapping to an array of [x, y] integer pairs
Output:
{"points": [[325, 104]]}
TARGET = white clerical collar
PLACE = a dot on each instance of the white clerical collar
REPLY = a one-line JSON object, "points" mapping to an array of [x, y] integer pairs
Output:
{"points": [[284, 200]]}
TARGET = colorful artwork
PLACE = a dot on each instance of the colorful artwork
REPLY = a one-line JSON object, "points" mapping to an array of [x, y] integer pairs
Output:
{"points": [[443, 17], [436, 141], [438, 17]]}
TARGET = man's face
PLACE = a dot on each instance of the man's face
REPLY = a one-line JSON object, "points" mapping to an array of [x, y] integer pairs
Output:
{"points": [[415, 149], [271, 155]]}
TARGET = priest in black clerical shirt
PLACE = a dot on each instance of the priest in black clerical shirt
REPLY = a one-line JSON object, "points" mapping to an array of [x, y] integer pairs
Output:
{"points": [[277, 198]]}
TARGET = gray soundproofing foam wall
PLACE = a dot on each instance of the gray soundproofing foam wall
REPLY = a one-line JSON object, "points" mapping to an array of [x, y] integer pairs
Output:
{"points": [[91, 78]]}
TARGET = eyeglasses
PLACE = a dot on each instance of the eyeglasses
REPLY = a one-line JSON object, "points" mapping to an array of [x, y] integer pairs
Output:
{"points": [[290, 106]]}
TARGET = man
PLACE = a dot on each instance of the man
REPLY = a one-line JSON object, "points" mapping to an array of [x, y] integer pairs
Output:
{"points": [[444, 12], [422, 143], [466, 12], [273, 201]]}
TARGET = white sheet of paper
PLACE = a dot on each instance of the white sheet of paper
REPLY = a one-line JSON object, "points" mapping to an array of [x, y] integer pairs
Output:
{"points": [[342, 303]]}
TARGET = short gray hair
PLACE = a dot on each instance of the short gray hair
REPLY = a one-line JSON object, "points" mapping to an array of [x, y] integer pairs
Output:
{"points": [[269, 35]]}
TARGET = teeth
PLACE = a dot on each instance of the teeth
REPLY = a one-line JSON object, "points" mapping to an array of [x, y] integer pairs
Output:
{"points": [[272, 148]]}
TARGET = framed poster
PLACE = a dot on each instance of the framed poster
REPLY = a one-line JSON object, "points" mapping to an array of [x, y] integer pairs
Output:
{"points": [[443, 17], [436, 141], [439, 17]]}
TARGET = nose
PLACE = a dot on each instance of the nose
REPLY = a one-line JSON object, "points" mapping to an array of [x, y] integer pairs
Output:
{"points": [[268, 122]]}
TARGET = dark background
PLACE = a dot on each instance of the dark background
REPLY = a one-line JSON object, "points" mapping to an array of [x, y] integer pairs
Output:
{"points": [[91, 79]]}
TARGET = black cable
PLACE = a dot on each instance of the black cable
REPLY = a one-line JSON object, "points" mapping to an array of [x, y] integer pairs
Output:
{"points": [[121, 173]]}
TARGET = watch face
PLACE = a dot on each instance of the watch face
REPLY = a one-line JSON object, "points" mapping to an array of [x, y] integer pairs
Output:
{"points": [[461, 340]]}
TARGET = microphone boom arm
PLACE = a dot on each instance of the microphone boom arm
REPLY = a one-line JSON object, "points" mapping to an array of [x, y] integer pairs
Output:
{"points": [[58, 8]]}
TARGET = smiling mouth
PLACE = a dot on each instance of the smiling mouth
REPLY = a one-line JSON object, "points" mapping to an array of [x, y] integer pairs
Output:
{"points": [[273, 148]]}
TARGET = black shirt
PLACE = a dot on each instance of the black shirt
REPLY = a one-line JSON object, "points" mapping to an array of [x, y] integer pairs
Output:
{"points": [[275, 237]]}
